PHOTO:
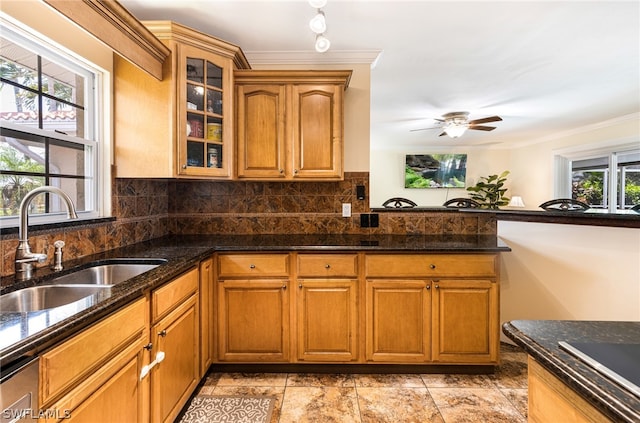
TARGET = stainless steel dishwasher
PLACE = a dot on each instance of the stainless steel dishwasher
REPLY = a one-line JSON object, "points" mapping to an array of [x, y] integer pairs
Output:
{"points": [[19, 392]]}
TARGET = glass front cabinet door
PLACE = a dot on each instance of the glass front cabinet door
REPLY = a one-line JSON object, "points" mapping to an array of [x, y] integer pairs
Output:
{"points": [[204, 114]]}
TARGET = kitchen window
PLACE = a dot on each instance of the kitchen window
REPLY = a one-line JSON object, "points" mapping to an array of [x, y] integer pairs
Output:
{"points": [[607, 179], [48, 129]]}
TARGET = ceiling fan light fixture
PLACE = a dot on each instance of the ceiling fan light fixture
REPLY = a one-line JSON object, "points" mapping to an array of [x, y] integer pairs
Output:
{"points": [[322, 43], [455, 130], [318, 23]]}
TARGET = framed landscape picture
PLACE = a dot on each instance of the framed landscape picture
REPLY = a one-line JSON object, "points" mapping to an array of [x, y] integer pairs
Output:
{"points": [[435, 170]]}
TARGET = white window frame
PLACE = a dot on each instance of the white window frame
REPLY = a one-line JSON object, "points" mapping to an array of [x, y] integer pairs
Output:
{"points": [[564, 157], [97, 128]]}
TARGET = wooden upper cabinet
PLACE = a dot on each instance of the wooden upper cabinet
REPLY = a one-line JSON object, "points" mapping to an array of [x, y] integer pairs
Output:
{"points": [[289, 124], [181, 126]]}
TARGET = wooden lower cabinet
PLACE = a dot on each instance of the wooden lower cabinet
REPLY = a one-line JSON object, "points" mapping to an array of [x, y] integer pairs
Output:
{"points": [[465, 321], [207, 315], [82, 378], [358, 308], [398, 321], [253, 320], [327, 320], [174, 379], [121, 398], [550, 400], [111, 372]]}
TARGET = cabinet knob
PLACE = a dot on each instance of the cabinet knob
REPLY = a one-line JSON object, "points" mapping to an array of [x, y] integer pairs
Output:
{"points": [[327, 266], [432, 266], [284, 286], [162, 333], [184, 166], [281, 170], [252, 266], [295, 170], [428, 287], [300, 286], [148, 347], [437, 286]]}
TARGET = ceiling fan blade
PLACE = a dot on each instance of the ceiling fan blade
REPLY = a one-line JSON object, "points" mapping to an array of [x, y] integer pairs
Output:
{"points": [[485, 120], [482, 128], [423, 129]]}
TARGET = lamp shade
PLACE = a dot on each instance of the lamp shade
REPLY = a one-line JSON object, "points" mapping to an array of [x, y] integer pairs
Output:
{"points": [[455, 130], [516, 201]]}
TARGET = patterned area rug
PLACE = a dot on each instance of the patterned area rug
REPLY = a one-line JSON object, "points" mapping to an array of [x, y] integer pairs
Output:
{"points": [[228, 409]]}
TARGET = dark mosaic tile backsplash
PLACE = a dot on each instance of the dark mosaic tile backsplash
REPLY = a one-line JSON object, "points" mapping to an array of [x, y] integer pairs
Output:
{"points": [[150, 208]]}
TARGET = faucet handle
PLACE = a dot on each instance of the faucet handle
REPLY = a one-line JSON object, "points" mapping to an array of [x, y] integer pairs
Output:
{"points": [[58, 244]]}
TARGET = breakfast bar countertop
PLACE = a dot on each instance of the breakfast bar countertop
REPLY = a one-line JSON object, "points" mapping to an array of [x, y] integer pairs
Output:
{"points": [[540, 338], [22, 334]]}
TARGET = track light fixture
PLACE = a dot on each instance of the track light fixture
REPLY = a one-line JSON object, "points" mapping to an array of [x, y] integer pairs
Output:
{"points": [[318, 4], [318, 25], [322, 43]]}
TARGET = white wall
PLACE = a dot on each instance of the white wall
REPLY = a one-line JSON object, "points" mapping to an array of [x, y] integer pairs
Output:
{"points": [[387, 174], [569, 272]]}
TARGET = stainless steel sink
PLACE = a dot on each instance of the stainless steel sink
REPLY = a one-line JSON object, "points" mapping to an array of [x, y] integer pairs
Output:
{"points": [[109, 272], [49, 296]]}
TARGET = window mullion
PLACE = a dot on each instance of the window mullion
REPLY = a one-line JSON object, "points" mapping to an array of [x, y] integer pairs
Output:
{"points": [[612, 183]]}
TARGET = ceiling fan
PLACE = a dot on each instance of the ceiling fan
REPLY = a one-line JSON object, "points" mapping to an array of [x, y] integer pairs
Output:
{"points": [[455, 124]]}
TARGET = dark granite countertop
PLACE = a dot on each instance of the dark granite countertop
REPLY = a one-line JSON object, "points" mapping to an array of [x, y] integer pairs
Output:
{"points": [[591, 217], [540, 338], [25, 334]]}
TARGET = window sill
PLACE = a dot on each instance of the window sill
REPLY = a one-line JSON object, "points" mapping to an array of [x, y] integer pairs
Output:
{"points": [[59, 225]]}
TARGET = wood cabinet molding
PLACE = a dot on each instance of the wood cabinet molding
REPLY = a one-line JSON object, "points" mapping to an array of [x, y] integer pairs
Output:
{"points": [[333, 77], [169, 30], [115, 26]]}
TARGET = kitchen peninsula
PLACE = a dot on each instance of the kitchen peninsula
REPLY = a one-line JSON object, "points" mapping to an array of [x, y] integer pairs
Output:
{"points": [[562, 386]]}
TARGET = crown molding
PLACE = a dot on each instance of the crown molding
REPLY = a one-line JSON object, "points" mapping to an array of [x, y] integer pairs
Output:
{"points": [[370, 57], [115, 26]]}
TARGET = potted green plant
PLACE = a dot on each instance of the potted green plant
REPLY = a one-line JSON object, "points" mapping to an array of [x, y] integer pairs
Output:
{"points": [[489, 191]]}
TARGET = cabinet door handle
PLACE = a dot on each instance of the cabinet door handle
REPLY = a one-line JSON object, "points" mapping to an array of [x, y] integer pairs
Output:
{"points": [[432, 266], [284, 286], [437, 286], [428, 287], [148, 347], [281, 170], [295, 170], [327, 266], [162, 333], [184, 166], [300, 286], [252, 266]]}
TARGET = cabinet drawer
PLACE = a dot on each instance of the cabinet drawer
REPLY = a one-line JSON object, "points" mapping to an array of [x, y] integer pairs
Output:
{"points": [[173, 293], [253, 265], [327, 265], [431, 265], [84, 353]]}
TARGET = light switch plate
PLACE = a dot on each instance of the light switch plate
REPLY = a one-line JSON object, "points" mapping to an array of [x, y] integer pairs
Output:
{"points": [[346, 209]]}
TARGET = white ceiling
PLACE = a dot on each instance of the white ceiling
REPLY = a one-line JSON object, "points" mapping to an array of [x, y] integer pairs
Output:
{"points": [[546, 67]]}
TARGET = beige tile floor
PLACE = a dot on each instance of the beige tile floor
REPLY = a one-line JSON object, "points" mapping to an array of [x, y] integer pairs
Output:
{"points": [[379, 398]]}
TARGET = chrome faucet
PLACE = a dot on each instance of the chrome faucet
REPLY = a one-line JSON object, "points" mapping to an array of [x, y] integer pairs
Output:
{"points": [[24, 257]]}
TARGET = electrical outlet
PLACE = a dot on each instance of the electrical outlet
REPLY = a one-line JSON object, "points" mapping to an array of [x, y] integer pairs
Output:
{"points": [[373, 220], [364, 220], [346, 209]]}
